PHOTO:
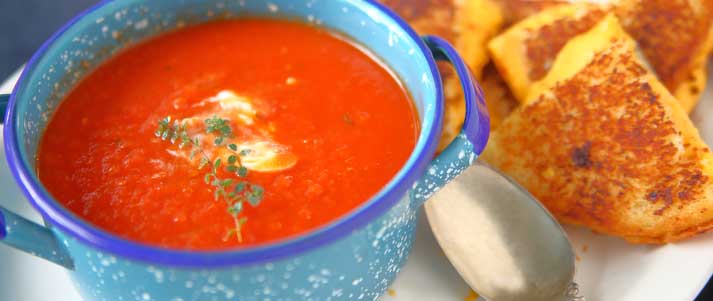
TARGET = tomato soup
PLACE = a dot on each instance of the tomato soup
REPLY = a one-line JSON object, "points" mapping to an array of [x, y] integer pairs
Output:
{"points": [[306, 123]]}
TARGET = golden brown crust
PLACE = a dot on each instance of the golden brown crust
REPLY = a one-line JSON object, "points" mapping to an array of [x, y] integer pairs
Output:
{"points": [[674, 35], [543, 45], [670, 33], [609, 148], [525, 52], [516, 10]]}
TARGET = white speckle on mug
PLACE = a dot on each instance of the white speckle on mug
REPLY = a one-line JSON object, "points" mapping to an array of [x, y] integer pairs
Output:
{"points": [[208, 290], [142, 24], [393, 39], [425, 79], [273, 8]]}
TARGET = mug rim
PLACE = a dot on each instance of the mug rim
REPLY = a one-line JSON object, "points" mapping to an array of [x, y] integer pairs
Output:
{"points": [[105, 241]]}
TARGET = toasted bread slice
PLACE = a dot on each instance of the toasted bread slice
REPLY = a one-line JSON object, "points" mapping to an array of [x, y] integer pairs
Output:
{"points": [[468, 25], [516, 10], [603, 144], [675, 36], [526, 51]]}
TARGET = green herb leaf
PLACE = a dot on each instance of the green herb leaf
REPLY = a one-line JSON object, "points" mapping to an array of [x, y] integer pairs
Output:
{"points": [[242, 171], [229, 234], [236, 209], [227, 182], [256, 195], [235, 195], [240, 187]]}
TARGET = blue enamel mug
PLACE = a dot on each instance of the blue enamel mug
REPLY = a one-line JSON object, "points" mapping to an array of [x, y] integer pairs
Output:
{"points": [[354, 257]]}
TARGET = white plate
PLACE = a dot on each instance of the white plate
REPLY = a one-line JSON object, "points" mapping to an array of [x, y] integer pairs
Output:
{"points": [[609, 270]]}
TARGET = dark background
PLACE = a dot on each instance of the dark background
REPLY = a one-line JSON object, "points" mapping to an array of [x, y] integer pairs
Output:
{"points": [[25, 24]]}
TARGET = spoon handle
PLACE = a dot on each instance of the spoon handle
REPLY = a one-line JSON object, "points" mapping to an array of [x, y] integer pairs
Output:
{"points": [[573, 293]]}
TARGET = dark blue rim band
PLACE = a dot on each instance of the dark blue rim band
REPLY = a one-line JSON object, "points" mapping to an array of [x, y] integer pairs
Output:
{"points": [[3, 226], [68, 222], [4, 99]]}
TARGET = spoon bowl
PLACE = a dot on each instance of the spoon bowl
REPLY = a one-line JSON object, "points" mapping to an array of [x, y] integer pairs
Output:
{"points": [[502, 241]]}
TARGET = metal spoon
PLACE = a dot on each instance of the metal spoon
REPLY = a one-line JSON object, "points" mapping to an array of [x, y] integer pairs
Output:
{"points": [[501, 240]]}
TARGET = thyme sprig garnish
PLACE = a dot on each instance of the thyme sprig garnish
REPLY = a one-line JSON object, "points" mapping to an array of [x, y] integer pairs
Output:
{"points": [[234, 191]]}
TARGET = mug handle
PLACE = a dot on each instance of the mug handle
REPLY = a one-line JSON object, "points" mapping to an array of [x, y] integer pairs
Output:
{"points": [[470, 142], [27, 236]]}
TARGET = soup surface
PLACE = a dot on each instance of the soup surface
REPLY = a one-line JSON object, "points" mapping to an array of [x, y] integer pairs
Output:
{"points": [[318, 126]]}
